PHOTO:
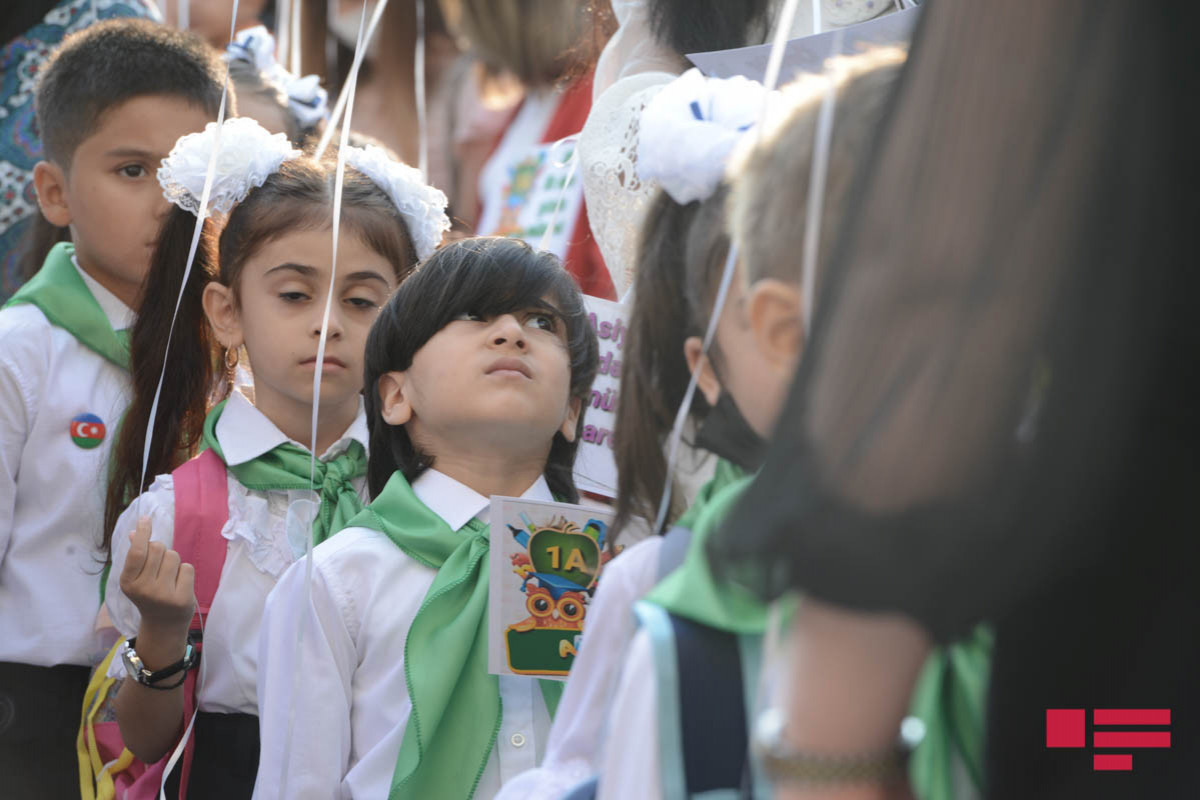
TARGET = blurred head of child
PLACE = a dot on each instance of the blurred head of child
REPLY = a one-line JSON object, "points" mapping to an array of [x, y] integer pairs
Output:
{"points": [[485, 355], [271, 95], [111, 103], [759, 338]]}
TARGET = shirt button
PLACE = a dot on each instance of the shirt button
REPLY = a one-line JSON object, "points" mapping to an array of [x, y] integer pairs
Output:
{"points": [[518, 740]]}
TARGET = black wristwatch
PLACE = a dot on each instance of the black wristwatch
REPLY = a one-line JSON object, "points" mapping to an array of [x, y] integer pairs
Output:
{"points": [[137, 670]]}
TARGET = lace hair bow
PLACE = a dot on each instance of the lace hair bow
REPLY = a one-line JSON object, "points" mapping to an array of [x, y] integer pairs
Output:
{"points": [[688, 130], [248, 155], [308, 102], [422, 206]]}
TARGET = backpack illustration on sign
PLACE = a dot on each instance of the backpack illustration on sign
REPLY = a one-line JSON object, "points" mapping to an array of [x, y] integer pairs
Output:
{"points": [[107, 770]]}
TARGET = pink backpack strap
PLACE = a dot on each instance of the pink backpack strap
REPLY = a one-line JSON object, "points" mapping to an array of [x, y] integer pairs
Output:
{"points": [[201, 510]]}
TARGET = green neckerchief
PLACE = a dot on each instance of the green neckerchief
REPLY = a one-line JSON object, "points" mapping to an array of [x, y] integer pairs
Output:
{"points": [[287, 466], [59, 291], [455, 702], [949, 697], [692, 591], [725, 473]]}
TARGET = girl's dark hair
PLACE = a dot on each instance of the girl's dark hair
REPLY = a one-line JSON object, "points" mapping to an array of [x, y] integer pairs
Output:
{"points": [[250, 81], [299, 196], [487, 276], [679, 267], [696, 26]]}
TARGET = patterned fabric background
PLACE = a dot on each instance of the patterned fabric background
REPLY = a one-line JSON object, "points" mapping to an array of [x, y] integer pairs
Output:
{"points": [[20, 144]]}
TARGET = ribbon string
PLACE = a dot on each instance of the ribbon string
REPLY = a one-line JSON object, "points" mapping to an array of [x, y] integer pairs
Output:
{"points": [[770, 78]]}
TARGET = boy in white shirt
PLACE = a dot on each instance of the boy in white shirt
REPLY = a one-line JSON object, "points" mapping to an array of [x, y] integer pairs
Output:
{"points": [[110, 103]]}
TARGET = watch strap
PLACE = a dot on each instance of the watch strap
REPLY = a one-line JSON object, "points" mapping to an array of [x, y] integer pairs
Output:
{"points": [[191, 657]]}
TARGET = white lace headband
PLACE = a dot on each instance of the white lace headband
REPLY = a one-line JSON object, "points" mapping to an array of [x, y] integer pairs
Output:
{"points": [[308, 102], [688, 130], [249, 154]]}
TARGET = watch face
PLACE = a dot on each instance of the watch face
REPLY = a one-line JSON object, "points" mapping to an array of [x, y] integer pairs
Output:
{"points": [[133, 664]]}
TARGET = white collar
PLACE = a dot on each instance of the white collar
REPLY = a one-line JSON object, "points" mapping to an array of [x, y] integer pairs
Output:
{"points": [[120, 316], [245, 433], [456, 503]]}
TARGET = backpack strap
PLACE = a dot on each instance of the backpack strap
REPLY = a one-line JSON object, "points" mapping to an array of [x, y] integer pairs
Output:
{"points": [[201, 510], [673, 550], [712, 709], [702, 725]]}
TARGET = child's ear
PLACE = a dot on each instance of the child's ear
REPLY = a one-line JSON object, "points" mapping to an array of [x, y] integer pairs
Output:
{"points": [[220, 306], [774, 312], [51, 184], [571, 421], [394, 406], [706, 381]]}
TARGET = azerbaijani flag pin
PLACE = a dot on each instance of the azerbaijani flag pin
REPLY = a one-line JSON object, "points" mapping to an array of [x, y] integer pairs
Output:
{"points": [[87, 431]]}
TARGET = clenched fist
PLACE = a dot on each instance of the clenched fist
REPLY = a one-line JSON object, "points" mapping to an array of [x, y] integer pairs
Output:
{"points": [[157, 582]]}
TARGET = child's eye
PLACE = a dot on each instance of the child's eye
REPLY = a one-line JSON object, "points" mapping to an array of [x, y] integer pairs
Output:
{"points": [[292, 297], [470, 316], [133, 171], [544, 321]]}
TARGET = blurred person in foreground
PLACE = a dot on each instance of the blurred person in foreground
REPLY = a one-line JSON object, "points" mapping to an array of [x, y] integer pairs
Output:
{"points": [[995, 419]]}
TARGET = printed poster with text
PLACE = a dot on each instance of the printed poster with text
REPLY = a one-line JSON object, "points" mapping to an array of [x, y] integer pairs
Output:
{"points": [[544, 563], [595, 468]]}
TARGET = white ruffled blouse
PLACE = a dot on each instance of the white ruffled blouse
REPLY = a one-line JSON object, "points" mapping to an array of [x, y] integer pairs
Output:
{"points": [[258, 553]]}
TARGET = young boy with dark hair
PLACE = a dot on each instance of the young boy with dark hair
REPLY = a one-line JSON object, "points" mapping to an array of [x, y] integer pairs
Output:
{"points": [[110, 104]]}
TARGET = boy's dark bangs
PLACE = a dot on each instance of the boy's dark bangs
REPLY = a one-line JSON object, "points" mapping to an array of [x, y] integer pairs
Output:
{"points": [[495, 279]]}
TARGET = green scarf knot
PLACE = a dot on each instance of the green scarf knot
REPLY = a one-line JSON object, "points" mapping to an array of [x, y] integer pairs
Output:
{"points": [[287, 466], [456, 709], [59, 291]]}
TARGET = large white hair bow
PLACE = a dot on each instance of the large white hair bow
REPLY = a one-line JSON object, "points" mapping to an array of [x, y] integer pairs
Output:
{"points": [[422, 206], [688, 130], [308, 102], [248, 155]]}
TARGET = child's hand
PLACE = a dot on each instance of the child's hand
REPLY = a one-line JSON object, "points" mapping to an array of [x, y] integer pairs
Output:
{"points": [[157, 582]]}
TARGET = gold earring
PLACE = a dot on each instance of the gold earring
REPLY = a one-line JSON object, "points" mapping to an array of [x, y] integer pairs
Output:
{"points": [[230, 364]]}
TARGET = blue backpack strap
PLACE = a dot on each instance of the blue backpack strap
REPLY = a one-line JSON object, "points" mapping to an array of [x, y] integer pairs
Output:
{"points": [[712, 709], [673, 550], [703, 733], [583, 791]]}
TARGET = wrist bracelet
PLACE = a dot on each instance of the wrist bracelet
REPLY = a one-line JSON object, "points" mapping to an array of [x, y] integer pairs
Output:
{"points": [[784, 764], [137, 670]]}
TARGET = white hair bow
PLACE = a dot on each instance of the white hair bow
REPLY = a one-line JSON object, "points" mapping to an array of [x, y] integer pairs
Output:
{"points": [[422, 206], [248, 155], [306, 99], [688, 130]]}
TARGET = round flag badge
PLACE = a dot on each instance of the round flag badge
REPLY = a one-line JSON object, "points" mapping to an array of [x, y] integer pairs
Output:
{"points": [[87, 431]]}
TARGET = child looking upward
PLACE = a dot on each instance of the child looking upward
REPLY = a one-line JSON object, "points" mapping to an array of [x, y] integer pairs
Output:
{"points": [[476, 373], [110, 105]]}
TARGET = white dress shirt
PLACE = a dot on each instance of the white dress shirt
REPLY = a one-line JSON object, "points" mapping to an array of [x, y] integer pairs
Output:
{"points": [[338, 684], [631, 761], [51, 489], [576, 743], [258, 552]]}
